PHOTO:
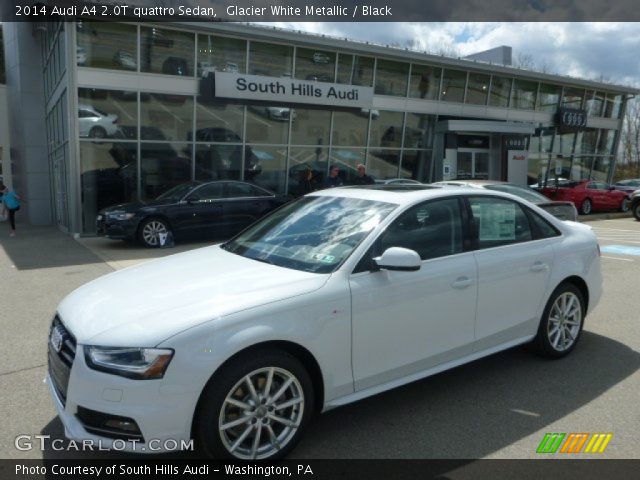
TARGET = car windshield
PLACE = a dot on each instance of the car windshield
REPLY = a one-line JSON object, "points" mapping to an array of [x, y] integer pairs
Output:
{"points": [[522, 192], [312, 234], [176, 193]]}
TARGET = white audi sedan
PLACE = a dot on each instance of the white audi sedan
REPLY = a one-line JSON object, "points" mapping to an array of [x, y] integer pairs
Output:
{"points": [[337, 296]]}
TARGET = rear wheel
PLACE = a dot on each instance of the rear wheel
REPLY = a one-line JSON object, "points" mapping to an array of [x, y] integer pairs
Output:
{"points": [[154, 232], [561, 322], [586, 207], [256, 408]]}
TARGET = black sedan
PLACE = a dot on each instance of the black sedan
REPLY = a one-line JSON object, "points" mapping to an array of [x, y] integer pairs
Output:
{"points": [[195, 209]]}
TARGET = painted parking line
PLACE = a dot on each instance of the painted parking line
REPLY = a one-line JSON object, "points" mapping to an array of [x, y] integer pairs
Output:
{"points": [[621, 250], [616, 258]]}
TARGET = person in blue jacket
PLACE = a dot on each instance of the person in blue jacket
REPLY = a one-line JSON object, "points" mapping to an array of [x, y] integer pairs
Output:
{"points": [[11, 202]]}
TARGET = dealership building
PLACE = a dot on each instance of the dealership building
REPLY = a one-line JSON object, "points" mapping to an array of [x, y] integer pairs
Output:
{"points": [[98, 113]]}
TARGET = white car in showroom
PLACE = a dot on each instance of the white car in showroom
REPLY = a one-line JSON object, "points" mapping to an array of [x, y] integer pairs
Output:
{"points": [[340, 295], [96, 123]]}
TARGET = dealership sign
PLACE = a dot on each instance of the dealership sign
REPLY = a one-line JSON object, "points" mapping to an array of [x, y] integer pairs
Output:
{"points": [[571, 119], [290, 90]]}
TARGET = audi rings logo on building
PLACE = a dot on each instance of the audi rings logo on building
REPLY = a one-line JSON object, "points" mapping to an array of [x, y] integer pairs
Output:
{"points": [[572, 119]]}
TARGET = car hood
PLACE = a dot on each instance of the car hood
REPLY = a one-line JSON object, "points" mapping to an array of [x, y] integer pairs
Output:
{"points": [[135, 206], [148, 303]]}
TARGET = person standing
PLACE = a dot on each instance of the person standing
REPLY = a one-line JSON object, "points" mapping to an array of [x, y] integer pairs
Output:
{"points": [[11, 202], [363, 178], [333, 180]]}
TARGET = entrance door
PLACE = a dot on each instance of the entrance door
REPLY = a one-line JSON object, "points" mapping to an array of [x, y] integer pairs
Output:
{"points": [[473, 163]]}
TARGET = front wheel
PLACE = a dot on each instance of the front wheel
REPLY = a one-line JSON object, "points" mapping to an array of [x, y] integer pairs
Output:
{"points": [[561, 322], [154, 232], [256, 408], [586, 207]]}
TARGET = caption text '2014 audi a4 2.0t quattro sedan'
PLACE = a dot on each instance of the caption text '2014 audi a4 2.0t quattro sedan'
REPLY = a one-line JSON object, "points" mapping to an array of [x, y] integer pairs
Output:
{"points": [[339, 295]]}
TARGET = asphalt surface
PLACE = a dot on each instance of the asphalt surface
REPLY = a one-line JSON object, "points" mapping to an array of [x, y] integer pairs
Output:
{"points": [[497, 407]]}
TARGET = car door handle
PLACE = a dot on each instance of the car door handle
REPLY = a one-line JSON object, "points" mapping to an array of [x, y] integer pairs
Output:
{"points": [[462, 282], [539, 267]]}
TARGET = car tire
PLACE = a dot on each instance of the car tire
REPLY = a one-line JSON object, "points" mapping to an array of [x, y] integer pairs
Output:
{"points": [[150, 231], [624, 205], [586, 207], [636, 211], [97, 132], [561, 323], [242, 398]]}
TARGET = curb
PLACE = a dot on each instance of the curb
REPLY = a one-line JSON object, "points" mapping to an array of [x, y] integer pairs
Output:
{"points": [[604, 216]]}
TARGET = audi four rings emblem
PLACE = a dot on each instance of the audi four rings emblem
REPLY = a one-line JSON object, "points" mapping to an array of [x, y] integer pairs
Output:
{"points": [[56, 339], [571, 119]]}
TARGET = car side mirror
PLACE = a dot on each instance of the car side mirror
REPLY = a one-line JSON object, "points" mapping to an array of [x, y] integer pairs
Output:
{"points": [[193, 199], [399, 259]]}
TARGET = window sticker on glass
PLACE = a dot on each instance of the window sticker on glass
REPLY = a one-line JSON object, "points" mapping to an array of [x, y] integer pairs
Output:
{"points": [[497, 221], [321, 257]]}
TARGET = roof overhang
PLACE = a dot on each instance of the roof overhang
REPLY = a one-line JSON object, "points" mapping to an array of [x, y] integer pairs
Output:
{"points": [[485, 126]]}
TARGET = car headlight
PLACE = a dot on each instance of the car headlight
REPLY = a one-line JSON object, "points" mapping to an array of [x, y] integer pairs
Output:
{"points": [[120, 215], [130, 362]]}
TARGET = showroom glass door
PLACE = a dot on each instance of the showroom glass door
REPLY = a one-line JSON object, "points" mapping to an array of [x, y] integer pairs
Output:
{"points": [[473, 163]]}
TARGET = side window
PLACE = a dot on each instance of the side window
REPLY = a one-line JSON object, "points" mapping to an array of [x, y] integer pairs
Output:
{"points": [[239, 190], [87, 114], [433, 229], [211, 191], [258, 192], [543, 228], [591, 185], [498, 221]]}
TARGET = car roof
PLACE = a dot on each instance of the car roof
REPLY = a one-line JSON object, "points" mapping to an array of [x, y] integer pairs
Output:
{"points": [[406, 194]]}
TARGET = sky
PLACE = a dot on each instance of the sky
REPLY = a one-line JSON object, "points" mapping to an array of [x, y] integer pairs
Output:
{"points": [[595, 51]]}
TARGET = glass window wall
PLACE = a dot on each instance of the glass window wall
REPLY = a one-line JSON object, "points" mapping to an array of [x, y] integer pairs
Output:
{"points": [[425, 82], [108, 176], [453, 82], [107, 114], [167, 117], [391, 78], [355, 70], [386, 130], [268, 123], [107, 45], [221, 54], [163, 166], [311, 127], [169, 52], [383, 164], [549, 97], [350, 129], [269, 166], [416, 165], [307, 169], [270, 60], [418, 130], [477, 89], [220, 162], [524, 94], [500, 91], [315, 65], [572, 97]]}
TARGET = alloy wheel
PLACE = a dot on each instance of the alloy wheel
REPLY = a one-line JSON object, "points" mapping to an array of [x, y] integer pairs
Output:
{"points": [[261, 413], [586, 207], [151, 232], [565, 319]]}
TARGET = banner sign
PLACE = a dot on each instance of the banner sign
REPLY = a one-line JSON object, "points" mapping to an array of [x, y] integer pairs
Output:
{"points": [[289, 90]]}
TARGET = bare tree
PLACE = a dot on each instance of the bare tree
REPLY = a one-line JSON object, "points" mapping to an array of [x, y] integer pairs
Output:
{"points": [[629, 154], [525, 61]]}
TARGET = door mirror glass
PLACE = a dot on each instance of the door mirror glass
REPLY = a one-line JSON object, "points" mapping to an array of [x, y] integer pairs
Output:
{"points": [[399, 259]]}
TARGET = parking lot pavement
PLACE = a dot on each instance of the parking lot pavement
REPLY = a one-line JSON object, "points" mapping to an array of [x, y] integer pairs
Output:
{"points": [[498, 407]]}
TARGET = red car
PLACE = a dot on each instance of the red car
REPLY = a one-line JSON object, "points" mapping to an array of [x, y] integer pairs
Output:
{"points": [[588, 195]]}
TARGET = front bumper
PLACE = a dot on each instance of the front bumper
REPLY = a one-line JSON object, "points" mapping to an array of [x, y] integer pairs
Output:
{"points": [[162, 412], [116, 229]]}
